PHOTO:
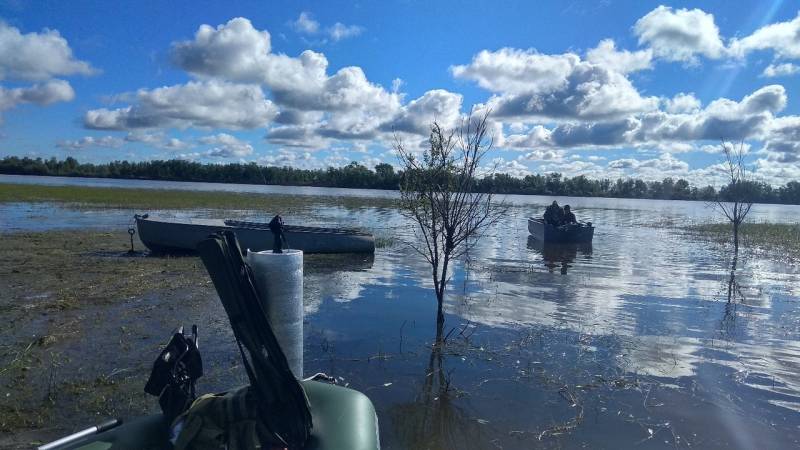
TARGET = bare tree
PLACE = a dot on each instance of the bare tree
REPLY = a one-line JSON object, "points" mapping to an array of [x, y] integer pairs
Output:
{"points": [[735, 199], [437, 191]]}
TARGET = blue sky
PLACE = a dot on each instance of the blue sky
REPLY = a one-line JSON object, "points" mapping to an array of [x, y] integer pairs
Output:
{"points": [[602, 88]]}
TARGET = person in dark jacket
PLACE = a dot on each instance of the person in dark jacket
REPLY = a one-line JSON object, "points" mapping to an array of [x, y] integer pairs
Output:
{"points": [[569, 217], [554, 215]]}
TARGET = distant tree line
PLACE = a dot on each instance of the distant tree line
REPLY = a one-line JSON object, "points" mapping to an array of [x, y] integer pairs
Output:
{"points": [[384, 176]]}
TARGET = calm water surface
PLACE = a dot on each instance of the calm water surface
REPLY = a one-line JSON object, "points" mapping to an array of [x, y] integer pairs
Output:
{"points": [[631, 342]]}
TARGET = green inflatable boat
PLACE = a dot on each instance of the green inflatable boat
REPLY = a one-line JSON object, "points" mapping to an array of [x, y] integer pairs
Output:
{"points": [[344, 419]]}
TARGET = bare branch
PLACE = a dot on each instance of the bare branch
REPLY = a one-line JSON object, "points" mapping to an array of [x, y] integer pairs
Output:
{"points": [[438, 192], [736, 199]]}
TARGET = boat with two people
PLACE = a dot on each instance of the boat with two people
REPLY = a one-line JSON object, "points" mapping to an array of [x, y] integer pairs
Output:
{"points": [[560, 225]]}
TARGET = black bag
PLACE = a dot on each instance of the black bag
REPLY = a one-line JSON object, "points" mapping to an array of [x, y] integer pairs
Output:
{"points": [[174, 374]]}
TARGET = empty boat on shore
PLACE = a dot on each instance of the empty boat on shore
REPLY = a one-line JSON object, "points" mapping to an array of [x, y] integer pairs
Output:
{"points": [[180, 235], [581, 232]]}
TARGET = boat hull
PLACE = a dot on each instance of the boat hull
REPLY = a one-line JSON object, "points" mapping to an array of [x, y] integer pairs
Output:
{"points": [[166, 235], [581, 232], [343, 419]]}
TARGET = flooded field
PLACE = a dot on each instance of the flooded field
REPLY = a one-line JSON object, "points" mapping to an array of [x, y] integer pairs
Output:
{"points": [[643, 339]]}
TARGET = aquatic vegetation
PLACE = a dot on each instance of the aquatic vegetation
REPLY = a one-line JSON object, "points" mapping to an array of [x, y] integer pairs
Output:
{"points": [[385, 241], [779, 237], [151, 199]]}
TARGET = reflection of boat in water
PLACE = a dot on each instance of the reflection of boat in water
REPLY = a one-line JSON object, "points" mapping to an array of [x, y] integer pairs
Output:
{"points": [[554, 253], [577, 232]]}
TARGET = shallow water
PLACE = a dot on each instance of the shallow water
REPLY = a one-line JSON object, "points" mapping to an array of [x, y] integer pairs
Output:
{"points": [[629, 342]]}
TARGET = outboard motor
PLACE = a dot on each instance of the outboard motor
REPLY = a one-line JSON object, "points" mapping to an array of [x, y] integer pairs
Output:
{"points": [[276, 227]]}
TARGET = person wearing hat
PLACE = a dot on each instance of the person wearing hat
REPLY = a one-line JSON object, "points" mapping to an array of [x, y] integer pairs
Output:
{"points": [[554, 215], [569, 217]]}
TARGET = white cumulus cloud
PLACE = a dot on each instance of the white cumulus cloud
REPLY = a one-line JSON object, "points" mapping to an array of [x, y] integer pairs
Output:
{"points": [[206, 104], [39, 94], [512, 167], [780, 70], [417, 116], [305, 24], [751, 117], [510, 70], [552, 87], [158, 140], [682, 103], [783, 38], [237, 52], [622, 61], [91, 141], [656, 168], [782, 143], [339, 31], [227, 146], [680, 35], [37, 56]]}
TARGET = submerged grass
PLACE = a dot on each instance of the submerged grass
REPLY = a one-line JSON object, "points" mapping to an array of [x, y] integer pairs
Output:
{"points": [[149, 199], [783, 238]]}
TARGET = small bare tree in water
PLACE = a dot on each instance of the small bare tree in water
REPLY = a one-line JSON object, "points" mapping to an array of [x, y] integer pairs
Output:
{"points": [[437, 191], [735, 199]]}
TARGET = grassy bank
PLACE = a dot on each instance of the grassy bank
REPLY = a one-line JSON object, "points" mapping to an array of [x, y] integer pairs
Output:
{"points": [[779, 238], [149, 199], [64, 289]]}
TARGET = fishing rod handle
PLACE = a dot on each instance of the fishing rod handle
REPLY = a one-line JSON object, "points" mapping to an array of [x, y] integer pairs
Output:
{"points": [[105, 426]]}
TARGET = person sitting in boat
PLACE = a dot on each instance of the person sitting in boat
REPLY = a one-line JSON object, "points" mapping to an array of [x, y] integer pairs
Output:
{"points": [[554, 215], [569, 216]]}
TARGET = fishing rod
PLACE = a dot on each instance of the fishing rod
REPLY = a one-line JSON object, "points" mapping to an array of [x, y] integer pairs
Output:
{"points": [[97, 429]]}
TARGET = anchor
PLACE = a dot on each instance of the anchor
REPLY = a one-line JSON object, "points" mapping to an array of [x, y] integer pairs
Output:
{"points": [[131, 232]]}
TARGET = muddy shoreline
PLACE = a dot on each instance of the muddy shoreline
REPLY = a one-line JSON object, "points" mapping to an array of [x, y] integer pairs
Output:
{"points": [[83, 322]]}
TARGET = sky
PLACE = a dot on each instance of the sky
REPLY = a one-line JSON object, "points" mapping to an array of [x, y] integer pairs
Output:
{"points": [[602, 88]]}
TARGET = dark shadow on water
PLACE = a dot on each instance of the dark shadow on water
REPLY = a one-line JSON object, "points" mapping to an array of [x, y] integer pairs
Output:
{"points": [[559, 256]]}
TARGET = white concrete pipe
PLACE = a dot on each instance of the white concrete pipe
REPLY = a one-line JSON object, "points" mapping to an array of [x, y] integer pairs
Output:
{"points": [[279, 278]]}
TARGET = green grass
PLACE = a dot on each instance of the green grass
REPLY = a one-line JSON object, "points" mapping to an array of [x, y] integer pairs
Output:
{"points": [[385, 241], [147, 199], [781, 238]]}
